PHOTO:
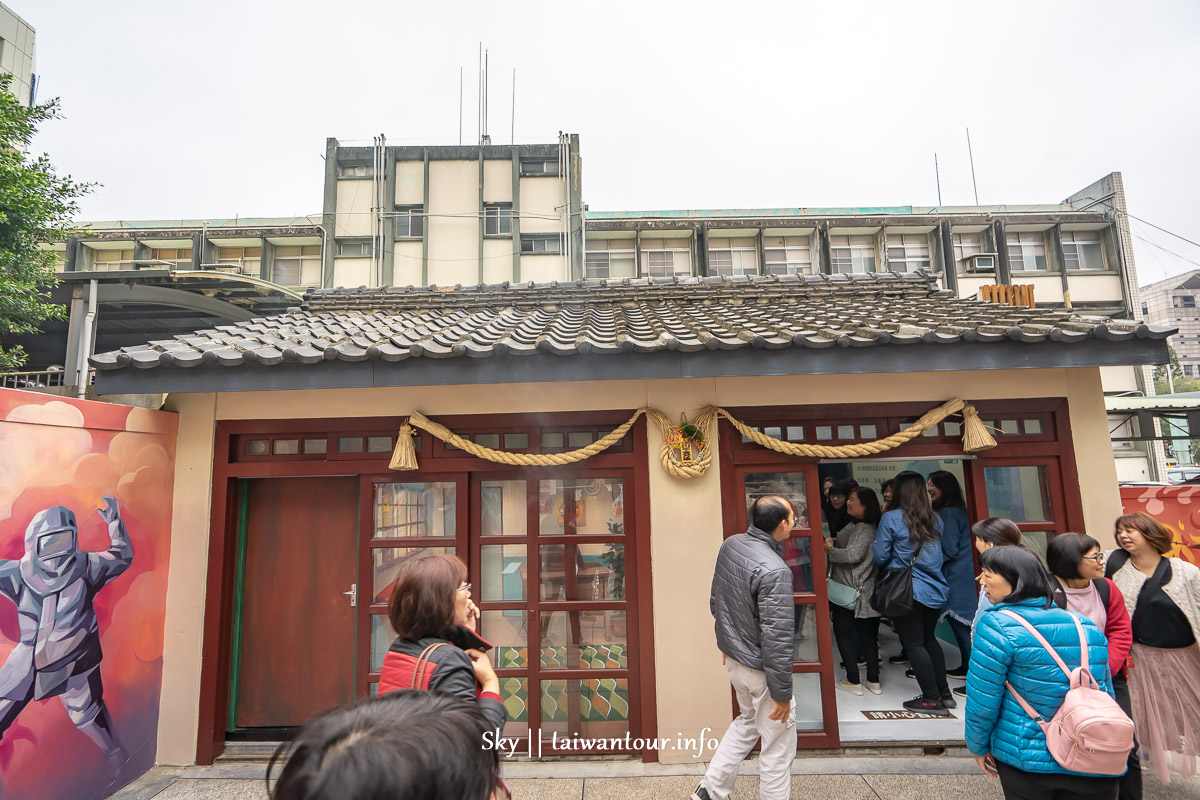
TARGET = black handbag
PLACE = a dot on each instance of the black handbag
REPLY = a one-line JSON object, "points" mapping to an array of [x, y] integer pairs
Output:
{"points": [[893, 595]]}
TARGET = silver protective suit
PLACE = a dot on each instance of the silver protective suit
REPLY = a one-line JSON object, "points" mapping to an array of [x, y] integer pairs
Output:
{"points": [[59, 654]]}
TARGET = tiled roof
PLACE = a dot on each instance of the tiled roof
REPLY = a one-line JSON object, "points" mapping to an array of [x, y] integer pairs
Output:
{"points": [[620, 316]]}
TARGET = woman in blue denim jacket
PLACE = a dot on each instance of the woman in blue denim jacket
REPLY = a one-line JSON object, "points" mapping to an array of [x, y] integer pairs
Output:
{"points": [[912, 534], [1003, 738]]}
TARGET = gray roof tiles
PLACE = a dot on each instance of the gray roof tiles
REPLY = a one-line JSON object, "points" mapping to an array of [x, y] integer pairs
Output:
{"points": [[619, 316]]}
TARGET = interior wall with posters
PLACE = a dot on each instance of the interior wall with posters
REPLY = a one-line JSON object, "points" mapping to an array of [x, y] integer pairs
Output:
{"points": [[85, 521]]}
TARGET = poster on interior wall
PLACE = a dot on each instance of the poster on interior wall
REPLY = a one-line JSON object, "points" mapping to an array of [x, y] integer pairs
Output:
{"points": [[1176, 507], [85, 521]]}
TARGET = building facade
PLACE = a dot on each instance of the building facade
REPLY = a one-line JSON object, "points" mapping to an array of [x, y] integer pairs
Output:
{"points": [[1176, 301], [16, 55]]}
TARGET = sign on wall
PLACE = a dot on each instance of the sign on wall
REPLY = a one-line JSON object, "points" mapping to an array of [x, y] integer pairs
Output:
{"points": [[85, 520]]}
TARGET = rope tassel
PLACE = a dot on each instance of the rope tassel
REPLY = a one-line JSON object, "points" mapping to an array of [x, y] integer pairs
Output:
{"points": [[976, 438], [404, 457]]}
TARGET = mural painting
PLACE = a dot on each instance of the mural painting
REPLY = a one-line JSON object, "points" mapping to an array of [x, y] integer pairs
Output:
{"points": [[85, 517], [1176, 507]]}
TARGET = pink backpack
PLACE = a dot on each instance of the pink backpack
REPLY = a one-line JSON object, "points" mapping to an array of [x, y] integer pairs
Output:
{"points": [[1089, 733]]}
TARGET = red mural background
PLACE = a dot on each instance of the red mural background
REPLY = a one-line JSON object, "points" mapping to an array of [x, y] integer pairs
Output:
{"points": [[58, 451], [1176, 507]]}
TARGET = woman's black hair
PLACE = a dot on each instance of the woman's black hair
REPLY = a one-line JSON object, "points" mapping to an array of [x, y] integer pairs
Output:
{"points": [[1065, 552], [870, 504], [406, 745], [843, 487], [999, 531], [948, 485], [912, 498], [1023, 571]]}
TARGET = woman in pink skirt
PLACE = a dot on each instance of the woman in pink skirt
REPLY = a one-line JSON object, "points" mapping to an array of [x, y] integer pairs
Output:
{"points": [[1162, 596]]}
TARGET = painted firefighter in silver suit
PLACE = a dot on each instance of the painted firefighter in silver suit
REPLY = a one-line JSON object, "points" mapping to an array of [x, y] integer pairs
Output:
{"points": [[53, 586]]}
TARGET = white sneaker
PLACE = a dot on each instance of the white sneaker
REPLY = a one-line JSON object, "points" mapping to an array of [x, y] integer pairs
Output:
{"points": [[850, 688], [873, 688]]}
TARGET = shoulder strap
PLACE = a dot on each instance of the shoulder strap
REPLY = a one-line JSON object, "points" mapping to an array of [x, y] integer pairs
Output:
{"points": [[1058, 593], [418, 675], [1101, 585], [1115, 562]]}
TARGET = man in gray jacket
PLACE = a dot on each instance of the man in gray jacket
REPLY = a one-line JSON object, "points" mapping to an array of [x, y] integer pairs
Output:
{"points": [[752, 602]]}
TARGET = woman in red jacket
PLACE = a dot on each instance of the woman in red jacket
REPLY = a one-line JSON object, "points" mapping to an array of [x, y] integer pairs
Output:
{"points": [[1076, 563], [434, 619]]}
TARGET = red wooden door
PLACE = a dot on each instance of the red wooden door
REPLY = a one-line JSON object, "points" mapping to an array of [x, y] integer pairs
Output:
{"points": [[297, 643]]}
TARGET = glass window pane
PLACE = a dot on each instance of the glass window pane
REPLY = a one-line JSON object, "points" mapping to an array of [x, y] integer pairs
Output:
{"points": [[508, 630], [1036, 541], [514, 693], [516, 441], [1009, 426], [774, 433], [845, 432], [1033, 426], [797, 554], [806, 688], [1019, 493], [503, 509], [414, 509], [582, 571], [503, 572], [584, 640], [868, 432], [258, 447], [592, 708], [351, 444], [585, 506], [795, 433], [805, 633], [287, 447], [379, 444], [824, 432], [491, 440], [952, 428], [552, 441], [576, 439], [386, 563], [382, 637], [785, 484], [314, 446]]}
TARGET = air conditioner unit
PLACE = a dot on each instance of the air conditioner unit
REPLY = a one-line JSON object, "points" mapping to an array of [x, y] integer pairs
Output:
{"points": [[982, 262]]}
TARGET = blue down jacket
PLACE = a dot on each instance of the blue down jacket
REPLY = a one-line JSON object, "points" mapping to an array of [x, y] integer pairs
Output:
{"points": [[1004, 650]]}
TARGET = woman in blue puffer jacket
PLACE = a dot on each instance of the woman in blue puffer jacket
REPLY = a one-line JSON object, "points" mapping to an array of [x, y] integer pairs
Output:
{"points": [[1002, 737]]}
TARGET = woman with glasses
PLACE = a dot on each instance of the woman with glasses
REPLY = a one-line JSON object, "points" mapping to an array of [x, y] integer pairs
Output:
{"points": [[1162, 595], [434, 619], [405, 746], [1076, 565]]}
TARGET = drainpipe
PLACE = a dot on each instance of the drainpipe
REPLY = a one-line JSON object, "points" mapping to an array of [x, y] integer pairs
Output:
{"points": [[85, 341]]}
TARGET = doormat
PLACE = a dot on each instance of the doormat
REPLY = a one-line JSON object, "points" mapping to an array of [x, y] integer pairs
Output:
{"points": [[903, 714]]}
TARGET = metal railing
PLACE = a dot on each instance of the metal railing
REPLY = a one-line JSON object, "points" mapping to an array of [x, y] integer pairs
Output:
{"points": [[39, 380]]}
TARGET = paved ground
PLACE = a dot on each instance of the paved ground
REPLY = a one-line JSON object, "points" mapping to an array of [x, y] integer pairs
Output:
{"points": [[844, 778]]}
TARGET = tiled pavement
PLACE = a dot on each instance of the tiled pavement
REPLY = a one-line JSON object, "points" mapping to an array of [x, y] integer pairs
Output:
{"points": [[844, 778]]}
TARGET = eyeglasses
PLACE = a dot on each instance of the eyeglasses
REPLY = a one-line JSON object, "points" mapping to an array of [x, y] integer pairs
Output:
{"points": [[466, 587], [1098, 558]]}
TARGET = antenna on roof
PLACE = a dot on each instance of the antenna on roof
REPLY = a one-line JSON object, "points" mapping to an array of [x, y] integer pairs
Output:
{"points": [[938, 176], [460, 87], [972, 157], [483, 83], [513, 116]]}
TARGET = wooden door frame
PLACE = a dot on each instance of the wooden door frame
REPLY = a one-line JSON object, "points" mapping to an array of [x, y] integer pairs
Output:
{"points": [[217, 622]]}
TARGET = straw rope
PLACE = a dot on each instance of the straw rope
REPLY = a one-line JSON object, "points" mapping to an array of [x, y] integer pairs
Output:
{"points": [[975, 439]]}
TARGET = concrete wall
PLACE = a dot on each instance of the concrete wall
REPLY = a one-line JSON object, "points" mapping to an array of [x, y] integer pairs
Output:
{"points": [[539, 213], [352, 272], [410, 183], [453, 225], [407, 270], [497, 181], [353, 208], [685, 516]]}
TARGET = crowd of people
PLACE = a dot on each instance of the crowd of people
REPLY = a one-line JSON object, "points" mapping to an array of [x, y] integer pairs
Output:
{"points": [[1121, 625], [1137, 609]]}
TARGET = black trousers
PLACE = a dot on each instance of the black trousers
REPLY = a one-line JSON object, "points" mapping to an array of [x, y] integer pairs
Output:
{"points": [[845, 625], [915, 630], [1131, 781], [1021, 785]]}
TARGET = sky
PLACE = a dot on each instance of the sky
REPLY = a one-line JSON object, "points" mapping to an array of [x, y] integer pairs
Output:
{"points": [[221, 109]]}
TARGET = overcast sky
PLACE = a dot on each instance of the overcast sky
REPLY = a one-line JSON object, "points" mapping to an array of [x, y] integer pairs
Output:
{"points": [[221, 109]]}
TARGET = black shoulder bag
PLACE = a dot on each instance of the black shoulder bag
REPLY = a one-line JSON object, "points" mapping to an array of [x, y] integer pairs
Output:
{"points": [[893, 595]]}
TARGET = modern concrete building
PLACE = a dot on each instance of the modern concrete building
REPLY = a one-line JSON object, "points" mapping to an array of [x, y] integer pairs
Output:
{"points": [[1176, 301], [16, 54]]}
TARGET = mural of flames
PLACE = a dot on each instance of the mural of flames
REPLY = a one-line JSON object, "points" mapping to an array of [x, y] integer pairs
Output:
{"points": [[1176, 507], [72, 453]]}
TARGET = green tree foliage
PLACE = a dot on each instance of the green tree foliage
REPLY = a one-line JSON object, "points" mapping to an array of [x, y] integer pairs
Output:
{"points": [[36, 207], [1181, 382]]}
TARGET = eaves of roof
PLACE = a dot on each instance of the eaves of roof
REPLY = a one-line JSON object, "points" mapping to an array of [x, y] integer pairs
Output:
{"points": [[643, 328]]}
